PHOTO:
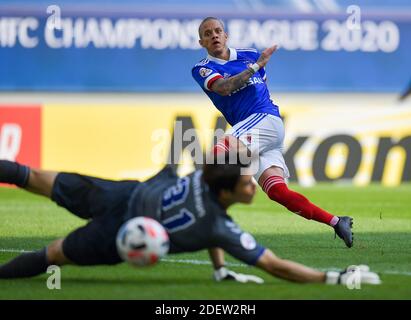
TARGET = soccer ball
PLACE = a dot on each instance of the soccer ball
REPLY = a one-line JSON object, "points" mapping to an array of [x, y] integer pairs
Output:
{"points": [[142, 241]]}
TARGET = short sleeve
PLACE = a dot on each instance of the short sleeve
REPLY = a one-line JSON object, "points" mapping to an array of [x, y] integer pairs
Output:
{"points": [[239, 244], [205, 76]]}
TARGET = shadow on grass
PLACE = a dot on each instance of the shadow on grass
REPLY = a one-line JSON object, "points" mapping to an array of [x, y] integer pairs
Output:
{"points": [[168, 280], [388, 250], [286, 242], [129, 281]]}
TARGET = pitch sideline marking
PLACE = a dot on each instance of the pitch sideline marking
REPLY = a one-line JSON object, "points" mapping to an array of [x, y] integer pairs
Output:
{"points": [[15, 251], [229, 264]]}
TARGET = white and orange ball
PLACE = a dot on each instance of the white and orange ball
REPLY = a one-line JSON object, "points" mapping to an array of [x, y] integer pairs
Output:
{"points": [[142, 241]]}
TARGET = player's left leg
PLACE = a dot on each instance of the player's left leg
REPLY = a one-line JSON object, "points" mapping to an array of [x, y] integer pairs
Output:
{"points": [[31, 264], [92, 244], [271, 175], [273, 184], [265, 139]]}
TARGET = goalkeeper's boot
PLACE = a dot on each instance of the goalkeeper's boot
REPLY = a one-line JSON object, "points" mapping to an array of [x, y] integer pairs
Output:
{"points": [[343, 230]]}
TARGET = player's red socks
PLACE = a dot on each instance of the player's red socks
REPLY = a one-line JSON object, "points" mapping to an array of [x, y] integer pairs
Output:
{"points": [[277, 190]]}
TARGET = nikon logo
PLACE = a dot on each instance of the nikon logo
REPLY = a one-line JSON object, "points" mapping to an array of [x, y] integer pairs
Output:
{"points": [[356, 156]]}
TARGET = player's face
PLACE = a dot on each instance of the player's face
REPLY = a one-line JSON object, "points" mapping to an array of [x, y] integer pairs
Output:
{"points": [[213, 37], [245, 189]]}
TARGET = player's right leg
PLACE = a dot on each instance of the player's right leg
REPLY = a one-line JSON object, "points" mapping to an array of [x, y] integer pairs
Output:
{"points": [[33, 180], [68, 190], [41, 182], [84, 196]]}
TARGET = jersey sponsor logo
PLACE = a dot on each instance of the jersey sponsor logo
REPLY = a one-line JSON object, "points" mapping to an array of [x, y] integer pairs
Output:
{"points": [[204, 72], [252, 81], [248, 241]]}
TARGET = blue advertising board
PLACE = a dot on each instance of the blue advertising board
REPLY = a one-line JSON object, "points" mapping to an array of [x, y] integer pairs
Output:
{"points": [[88, 50]]}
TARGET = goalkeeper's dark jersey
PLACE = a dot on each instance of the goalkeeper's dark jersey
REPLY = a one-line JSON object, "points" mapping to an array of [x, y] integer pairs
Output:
{"points": [[191, 215]]}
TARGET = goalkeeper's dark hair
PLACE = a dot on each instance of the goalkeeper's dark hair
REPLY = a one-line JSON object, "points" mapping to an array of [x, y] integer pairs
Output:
{"points": [[223, 175]]}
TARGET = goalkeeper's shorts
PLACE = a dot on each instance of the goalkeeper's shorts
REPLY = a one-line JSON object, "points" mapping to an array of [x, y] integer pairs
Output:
{"points": [[105, 203]]}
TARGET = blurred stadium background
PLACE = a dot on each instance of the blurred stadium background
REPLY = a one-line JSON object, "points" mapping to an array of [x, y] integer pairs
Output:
{"points": [[88, 93], [99, 91]]}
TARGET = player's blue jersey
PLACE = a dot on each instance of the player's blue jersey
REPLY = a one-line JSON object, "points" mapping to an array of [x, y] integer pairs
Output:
{"points": [[252, 98]]}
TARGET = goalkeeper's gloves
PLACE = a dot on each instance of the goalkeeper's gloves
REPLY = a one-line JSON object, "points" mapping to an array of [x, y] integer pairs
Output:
{"points": [[352, 276], [225, 274]]}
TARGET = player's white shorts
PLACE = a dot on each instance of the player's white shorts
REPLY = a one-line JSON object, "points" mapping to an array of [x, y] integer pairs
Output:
{"points": [[263, 134]]}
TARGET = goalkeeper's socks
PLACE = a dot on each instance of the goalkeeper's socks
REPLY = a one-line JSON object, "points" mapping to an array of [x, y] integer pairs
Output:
{"points": [[26, 265], [14, 173], [277, 190]]}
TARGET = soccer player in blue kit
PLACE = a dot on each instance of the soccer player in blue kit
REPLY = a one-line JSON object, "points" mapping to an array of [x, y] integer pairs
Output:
{"points": [[235, 81]]}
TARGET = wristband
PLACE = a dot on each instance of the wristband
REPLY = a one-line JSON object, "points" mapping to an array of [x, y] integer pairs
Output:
{"points": [[220, 273], [254, 68], [332, 277]]}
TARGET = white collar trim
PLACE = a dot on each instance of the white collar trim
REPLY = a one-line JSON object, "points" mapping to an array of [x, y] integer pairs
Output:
{"points": [[233, 56]]}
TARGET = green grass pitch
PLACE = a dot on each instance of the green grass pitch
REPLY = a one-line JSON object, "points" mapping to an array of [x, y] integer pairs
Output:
{"points": [[382, 227]]}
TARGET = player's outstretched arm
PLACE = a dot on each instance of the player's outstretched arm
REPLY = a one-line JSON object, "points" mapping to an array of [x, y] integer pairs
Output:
{"points": [[224, 87], [266, 55], [288, 270], [296, 272]]}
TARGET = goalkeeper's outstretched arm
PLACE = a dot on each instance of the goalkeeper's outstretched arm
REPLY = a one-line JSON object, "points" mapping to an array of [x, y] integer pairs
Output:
{"points": [[288, 270], [293, 271]]}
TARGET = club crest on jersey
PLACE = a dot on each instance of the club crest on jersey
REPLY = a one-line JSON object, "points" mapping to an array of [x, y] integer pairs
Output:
{"points": [[204, 72], [248, 241]]}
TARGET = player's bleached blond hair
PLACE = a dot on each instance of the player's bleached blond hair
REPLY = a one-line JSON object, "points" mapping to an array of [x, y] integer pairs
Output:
{"points": [[208, 19]]}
